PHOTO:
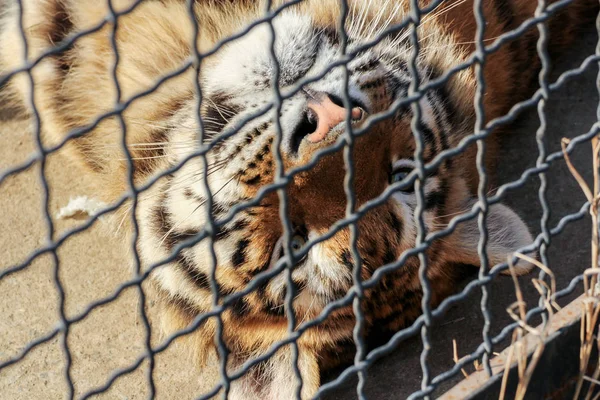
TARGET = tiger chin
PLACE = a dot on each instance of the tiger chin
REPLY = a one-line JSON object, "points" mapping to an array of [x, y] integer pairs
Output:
{"points": [[75, 86]]}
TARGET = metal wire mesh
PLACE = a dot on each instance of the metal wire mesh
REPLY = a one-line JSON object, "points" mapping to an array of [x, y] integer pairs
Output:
{"points": [[417, 90]]}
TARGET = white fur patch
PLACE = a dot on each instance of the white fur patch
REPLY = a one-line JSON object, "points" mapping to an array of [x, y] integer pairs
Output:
{"points": [[81, 207]]}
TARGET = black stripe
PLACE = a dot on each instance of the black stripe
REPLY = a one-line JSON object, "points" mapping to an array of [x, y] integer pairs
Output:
{"points": [[170, 107], [160, 218], [428, 136], [239, 256], [146, 161], [376, 83], [240, 307], [218, 209], [199, 278], [398, 89], [440, 113], [429, 140], [346, 259], [217, 114], [437, 198], [370, 65], [454, 118], [432, 72], [389, 256], [162, 224], [268, 307], [223, 232], [372, 249], [260, 376], [61, 27], [331, 34], [173, 238], [409, 300], [340, 352], [338, 292], [183, 304], [253, 181], [396, 224]]}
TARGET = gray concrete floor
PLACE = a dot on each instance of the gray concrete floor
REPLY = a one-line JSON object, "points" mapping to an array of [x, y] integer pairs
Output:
{"points": [[571, 111]]}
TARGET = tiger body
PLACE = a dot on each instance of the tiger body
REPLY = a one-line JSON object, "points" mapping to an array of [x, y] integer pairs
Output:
{"points": [[75, 86]]}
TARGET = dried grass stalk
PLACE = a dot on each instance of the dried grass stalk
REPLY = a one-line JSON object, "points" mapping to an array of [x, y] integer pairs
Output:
{"points": [[518, 311], [590, 306]]}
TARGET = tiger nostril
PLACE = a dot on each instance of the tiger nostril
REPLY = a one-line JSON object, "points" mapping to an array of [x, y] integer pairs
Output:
{"points": [[307, 126], [336, 100]]}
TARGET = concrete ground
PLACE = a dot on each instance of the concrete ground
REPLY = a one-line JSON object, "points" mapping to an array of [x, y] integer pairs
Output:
{"points": [[94, 263]]}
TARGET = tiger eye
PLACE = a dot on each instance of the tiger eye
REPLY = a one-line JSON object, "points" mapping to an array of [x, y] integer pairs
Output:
{"points": [[297, 242]]}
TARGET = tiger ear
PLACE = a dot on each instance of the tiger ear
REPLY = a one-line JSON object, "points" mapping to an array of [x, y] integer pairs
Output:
{"points": [[506, 233]]}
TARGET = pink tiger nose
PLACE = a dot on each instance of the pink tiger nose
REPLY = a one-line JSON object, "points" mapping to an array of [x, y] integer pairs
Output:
{"points": [[325, 114]]}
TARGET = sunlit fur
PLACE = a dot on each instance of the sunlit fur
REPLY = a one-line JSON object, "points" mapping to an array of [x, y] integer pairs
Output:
{"points": [[74, 87]]}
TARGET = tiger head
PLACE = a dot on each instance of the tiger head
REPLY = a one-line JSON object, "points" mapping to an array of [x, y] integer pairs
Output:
{"points": [[293, 151]]}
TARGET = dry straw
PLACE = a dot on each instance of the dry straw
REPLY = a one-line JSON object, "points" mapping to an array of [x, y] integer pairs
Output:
{"points": [[590, 307]]}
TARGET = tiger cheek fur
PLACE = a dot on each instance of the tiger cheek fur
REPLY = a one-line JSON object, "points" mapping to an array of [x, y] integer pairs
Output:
{"points": [[236, 81]]}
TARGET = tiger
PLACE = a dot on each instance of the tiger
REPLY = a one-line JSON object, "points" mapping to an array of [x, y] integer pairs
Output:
{"points": [[240, 116]]}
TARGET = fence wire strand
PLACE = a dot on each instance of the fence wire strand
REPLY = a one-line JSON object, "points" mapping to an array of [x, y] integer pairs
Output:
{"points": [[288, 257], [208, 203], [37, 130], [418, 89], [415, 15], [542, 51], [133, 198], [350, 208], [480, 55]]}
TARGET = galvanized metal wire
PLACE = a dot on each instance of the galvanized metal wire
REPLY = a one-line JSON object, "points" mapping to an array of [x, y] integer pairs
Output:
{"points": [[208, 204], [36, 125], [542, 50], [350, 209], [414, 88], [417, 91], [283, 205], [483, 181]]}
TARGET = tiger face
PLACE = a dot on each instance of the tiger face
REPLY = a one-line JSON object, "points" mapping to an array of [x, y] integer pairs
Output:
{"points": [[237, 83]]}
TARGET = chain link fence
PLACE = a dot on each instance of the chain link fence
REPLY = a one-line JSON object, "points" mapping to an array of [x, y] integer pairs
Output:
{"points": [[423, 324]]}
